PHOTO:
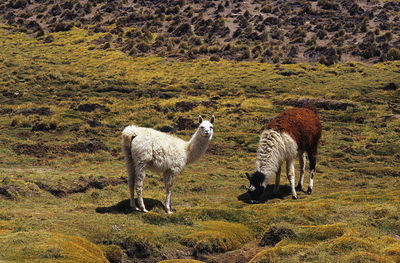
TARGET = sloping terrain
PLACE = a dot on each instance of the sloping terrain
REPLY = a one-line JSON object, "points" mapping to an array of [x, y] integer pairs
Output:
{"points": [[276, 31], [63, 187]]}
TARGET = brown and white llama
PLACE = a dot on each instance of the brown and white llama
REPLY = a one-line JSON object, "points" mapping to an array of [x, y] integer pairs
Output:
{"points": [[291, 134]]}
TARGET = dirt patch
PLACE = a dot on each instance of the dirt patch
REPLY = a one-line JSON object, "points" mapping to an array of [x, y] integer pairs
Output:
{"points": [[185, 106], [38, 150], [185, 124], [140, 247], [276, 234], [88, 147], [319, 103], [81, 185], [215, 150]]}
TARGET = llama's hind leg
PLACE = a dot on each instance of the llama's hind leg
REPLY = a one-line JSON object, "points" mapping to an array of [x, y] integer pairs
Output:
{"points": [[313, 161], [290, 172], [169, 178], [130, 167], [302, 162], [140, 175], [131, 184]]}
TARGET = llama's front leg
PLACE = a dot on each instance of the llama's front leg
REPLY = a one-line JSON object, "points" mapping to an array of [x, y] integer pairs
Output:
{"points": [[169, 178], [140, 175], [302, 162], [290, 174], [277, 181]]}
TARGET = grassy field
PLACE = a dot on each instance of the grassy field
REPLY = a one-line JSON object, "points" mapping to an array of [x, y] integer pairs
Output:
{"points": [[63, 190]]}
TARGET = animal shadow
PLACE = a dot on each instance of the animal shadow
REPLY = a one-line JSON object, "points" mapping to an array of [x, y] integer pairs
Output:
{"points": [[123, 207], [284, 190]]}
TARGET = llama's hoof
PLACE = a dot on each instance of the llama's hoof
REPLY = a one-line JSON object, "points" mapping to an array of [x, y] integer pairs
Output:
{"points": [[134, 208], [144, 210], [299, 188], [294, 197], [169, 212], [309, 190]]}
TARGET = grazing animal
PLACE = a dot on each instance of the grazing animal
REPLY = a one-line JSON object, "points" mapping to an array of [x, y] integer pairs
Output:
{"points": [[145, 148], [291, 134]]}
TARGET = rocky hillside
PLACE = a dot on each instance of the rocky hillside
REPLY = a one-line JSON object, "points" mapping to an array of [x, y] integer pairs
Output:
{"points": [[275, 31]]}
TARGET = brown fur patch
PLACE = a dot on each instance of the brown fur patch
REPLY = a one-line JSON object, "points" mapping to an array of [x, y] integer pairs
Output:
{"points": [[302, 124]]}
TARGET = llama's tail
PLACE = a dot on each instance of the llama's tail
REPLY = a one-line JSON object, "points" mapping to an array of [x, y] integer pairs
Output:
{"points": [[128, 134]]}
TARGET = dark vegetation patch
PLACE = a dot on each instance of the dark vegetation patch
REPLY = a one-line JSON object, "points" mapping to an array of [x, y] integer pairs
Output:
{"points": [[44, 127], [275, 31], [113, 253], [91, 107], [390, 86], [44, 111], [41, 150], [319, 103]]}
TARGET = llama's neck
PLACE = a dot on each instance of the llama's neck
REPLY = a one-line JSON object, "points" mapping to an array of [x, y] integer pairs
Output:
{"points": [[197, 146], [269, 154]]}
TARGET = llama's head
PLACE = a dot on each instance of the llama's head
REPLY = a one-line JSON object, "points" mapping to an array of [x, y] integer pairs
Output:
{"points": [[206, 127], [257, 186]]}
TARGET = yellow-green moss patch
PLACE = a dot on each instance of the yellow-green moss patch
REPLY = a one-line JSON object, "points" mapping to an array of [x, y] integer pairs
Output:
{"points": [[321, 232], [15, 188], [39, 246], [218, 236], [180, 261], [282, 250]]}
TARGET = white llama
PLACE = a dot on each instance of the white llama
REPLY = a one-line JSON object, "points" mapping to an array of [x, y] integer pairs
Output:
{"points": [[145, 148]]}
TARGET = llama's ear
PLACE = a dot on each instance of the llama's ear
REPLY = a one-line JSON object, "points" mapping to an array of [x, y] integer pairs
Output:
{"points": [[200, 119], [212, 119], [248, 176]]}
